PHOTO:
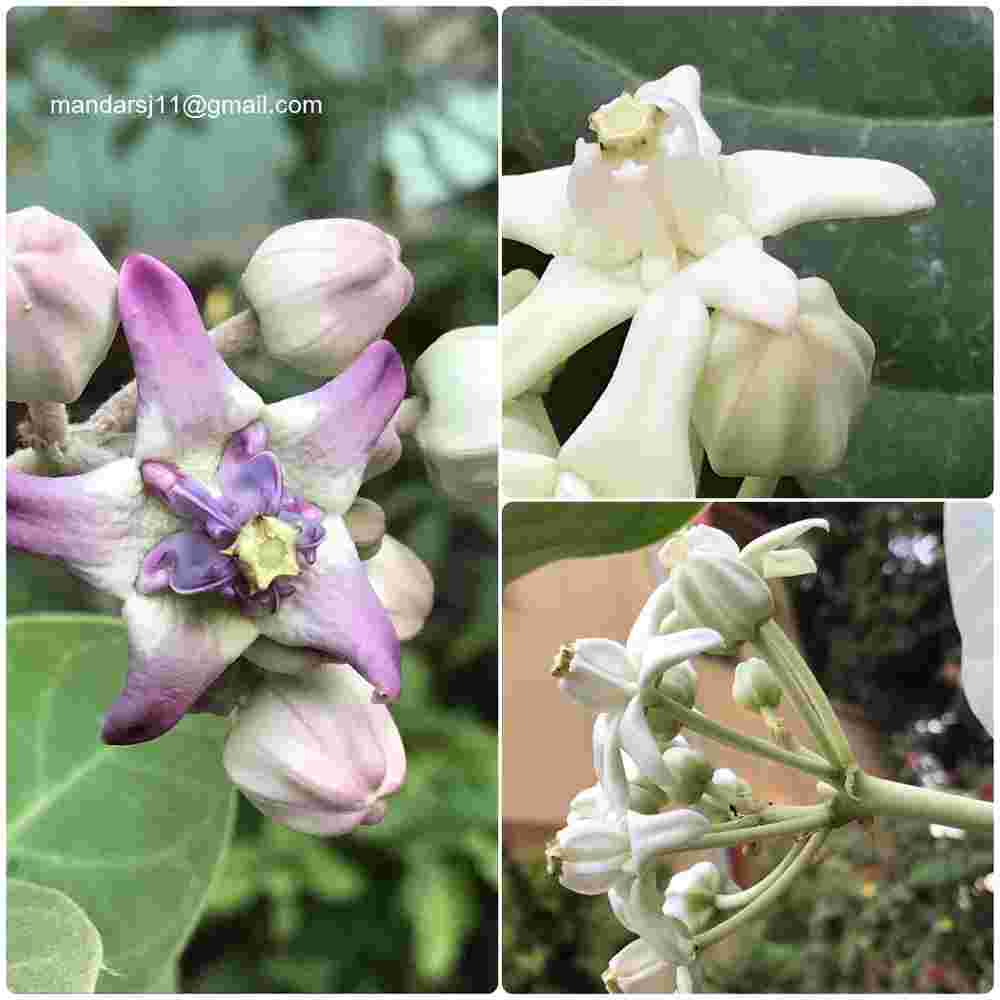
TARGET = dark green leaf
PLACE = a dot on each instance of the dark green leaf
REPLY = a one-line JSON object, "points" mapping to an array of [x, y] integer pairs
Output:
{"points": [[538, 533]]}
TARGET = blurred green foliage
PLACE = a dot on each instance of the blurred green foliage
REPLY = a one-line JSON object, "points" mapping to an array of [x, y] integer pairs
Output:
{"points": [[407, 140]]}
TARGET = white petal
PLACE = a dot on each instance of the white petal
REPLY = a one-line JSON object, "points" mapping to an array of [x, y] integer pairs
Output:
{"points": [[634, 442], [638, 969], [773, 191], [534, 209], [968, 546], [638, 742], [787, 562], [665, 651], [526, 426], [515, 287], [742, 280], [662, 831], [658, 605], [573, 304], [525, 475], [611, 772], [683, 84], [754, 553]]}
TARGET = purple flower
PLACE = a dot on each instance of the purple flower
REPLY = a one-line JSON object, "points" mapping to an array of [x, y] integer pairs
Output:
{"points": [[225, 529]]}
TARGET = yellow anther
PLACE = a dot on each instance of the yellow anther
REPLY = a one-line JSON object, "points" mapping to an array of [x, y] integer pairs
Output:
{"points": [[265, 548]]}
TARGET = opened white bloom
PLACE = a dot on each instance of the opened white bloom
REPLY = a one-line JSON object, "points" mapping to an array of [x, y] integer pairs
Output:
{"points": [[715, 584], [653, 209], [968, 546], [606, 676], [589, 855]]}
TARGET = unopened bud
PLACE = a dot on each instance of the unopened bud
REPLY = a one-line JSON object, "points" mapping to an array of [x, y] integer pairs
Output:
{"points": [[324, 289], [755, 687], [690, 895], [690, 771], [459, 432], [61, 307]]}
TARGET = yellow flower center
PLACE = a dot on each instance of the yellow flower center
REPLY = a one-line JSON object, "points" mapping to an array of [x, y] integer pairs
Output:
{"points": [[627, 128], [265, 548]]}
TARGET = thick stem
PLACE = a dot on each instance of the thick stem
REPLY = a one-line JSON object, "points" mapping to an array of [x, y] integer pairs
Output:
{"points": [[237, 334], [766, 898], [699, 723], [872, 796], [754, 487], [817, 819], [787, 662]]}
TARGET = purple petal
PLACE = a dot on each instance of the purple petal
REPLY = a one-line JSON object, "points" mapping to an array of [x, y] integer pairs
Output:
{"points": [[250, 486], [177, 647], [308, 518], [187, 562], [188, 398], [186, 497], [328, 434], [88, 521], [336, 610]]}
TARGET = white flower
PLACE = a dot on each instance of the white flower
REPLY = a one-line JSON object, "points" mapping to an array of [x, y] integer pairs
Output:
{"points": [[588, 855], [604, 675], [651, 207], [663, 831], [968, 546], [638, 969]]}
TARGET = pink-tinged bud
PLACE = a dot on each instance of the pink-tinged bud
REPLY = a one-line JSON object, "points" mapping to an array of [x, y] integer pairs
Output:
{"points": [[315, 753], [324, 289], [61, 307]]}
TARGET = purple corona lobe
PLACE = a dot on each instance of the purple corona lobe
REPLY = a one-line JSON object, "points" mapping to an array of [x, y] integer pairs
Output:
{"points": [[203, 558]]}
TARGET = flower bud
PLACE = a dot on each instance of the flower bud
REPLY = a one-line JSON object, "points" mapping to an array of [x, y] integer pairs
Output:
{"points": [[721, 593], [755, 687], [690, 895], [459, 432], [61, 307], [690, 771], [730, 788], [324, 289], [315, 753], [638, 969], [782, 404], [588, 855]]}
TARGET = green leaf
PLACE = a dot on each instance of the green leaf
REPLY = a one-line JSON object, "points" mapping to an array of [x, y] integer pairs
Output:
{"points": [[52, 947], [439, 901], [539, 533], [134, 834], [878, 85]]}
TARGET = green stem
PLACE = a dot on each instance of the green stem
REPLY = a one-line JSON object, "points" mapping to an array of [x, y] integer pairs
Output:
{"points": [[818, 818], [736, 900], [766, 898], [755, 487], [787, 662], [879, 797], [699, 723]]}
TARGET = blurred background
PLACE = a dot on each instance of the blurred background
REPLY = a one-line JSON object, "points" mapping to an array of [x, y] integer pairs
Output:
{"points": [[907, 908], [407, 140]]}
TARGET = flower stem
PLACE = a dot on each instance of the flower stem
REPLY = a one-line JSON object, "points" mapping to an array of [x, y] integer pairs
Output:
{"points": [[788, 664], [754, 487], [737, 900], [757, 906], [880, 797], [699, 723], [817, 818]]}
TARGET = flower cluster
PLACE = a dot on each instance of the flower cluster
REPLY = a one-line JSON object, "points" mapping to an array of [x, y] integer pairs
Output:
{"points": [[228, 529], [655, 794], [728, 353]]}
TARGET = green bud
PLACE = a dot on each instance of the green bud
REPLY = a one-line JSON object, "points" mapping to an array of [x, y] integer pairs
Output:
{"points": [[691, 773], [755, 687]]}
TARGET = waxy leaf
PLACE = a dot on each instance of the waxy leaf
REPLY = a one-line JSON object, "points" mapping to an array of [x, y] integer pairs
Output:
{"points": [[132, 834], [539, 533], [52, 947], [880, 84]]}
